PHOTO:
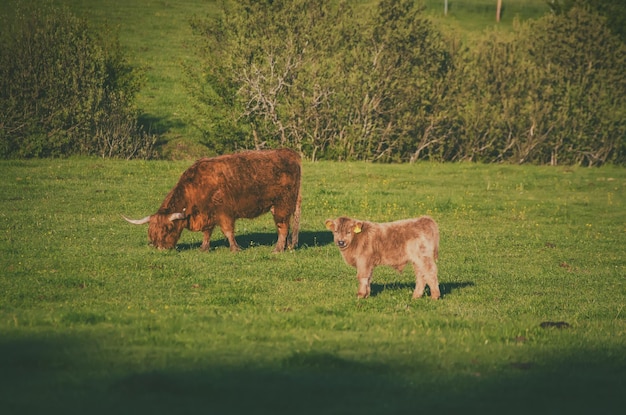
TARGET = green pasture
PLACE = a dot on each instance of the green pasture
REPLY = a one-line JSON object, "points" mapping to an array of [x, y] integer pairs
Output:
{"points": [[532, 267]]}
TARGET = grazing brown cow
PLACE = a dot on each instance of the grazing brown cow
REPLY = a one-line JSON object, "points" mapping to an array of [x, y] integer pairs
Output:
{"points": [[219, 190], [365, 245]]}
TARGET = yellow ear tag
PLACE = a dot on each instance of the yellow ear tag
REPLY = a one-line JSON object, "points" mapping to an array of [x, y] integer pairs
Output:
{"points": [[357, 229]]}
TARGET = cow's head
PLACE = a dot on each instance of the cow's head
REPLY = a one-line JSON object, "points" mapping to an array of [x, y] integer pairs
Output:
{"points": [[164, 229], [344, 230]]}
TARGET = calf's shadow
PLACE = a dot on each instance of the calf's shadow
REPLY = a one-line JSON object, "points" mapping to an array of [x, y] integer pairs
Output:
{"points": [[445, 288]]}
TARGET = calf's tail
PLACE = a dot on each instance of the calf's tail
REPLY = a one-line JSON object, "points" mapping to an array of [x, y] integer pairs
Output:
{"points": [[436, 236]]}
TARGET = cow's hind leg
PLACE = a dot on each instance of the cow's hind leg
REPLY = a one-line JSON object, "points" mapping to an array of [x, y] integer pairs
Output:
{"points": [[283, 231], [281, 219]]}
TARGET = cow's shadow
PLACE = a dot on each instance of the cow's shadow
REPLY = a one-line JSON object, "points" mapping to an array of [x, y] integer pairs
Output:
{"points": [[305, 239], [445, 288]]}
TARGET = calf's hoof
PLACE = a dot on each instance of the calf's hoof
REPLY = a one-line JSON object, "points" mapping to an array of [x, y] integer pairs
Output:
{"points": [[432, 296]]}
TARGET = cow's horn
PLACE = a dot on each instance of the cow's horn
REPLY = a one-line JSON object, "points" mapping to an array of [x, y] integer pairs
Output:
{"points": [[137, 221], [177, 216]]}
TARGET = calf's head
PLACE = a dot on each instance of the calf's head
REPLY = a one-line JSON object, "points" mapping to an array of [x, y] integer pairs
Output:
{"points": [[164, 229], [344, 230]]}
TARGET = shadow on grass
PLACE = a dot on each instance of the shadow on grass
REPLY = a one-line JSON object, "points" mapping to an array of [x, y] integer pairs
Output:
{"points": [[158, 125], [56, 374], [445, 288], [306, 238]]}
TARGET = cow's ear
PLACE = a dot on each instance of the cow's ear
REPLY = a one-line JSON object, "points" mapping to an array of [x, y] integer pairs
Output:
{"points": [[358, 227], [330, 225]]}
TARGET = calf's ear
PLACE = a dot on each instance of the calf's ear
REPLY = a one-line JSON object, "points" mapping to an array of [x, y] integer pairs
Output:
{"points": [[330, 225], [358, 227]]}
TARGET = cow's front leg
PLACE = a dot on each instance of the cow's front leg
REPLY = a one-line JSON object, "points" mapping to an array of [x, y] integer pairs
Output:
{"points": [[228, 229], [364, 275], [206, 240]]}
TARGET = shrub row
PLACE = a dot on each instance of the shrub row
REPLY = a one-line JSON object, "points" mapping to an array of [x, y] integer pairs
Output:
{"points": [[66, 89], [391, 86]]}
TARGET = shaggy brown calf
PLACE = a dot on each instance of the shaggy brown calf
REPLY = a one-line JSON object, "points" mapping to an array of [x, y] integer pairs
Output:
{"points": [[365, 245]]}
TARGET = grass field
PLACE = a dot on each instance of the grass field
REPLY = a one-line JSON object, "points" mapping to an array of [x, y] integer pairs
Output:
{"points": [[93, 320]]}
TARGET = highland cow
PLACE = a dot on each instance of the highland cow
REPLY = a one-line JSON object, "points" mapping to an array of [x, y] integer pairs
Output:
{"points": [[219, 190]]}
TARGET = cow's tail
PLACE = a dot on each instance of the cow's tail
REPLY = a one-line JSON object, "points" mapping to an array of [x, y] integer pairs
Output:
{"points": [[295, 229]]}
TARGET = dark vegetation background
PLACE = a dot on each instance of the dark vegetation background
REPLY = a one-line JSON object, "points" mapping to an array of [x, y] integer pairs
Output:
{"points": [[65, 88], [336, 80]]}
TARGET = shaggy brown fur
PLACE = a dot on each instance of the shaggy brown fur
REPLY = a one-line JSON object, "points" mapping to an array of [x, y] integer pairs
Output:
{"points": [[219, 190], [365, 245]]}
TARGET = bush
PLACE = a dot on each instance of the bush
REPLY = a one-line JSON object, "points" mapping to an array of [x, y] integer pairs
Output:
{"points": [[65, 90], [313, 76], [551, 93], [389, 86]]}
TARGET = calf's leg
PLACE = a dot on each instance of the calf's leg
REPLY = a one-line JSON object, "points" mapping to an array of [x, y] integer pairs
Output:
{"points": [[426, 273], [365, 279], [420, 284], [431, 278]]}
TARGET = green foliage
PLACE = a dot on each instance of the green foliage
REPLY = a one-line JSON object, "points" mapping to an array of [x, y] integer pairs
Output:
{"points": [[92, 318], [403, 69], [340, 86], [613, 10], [586, 63], [64, 89], [548, 93], [335, 108], [389, 86]]}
